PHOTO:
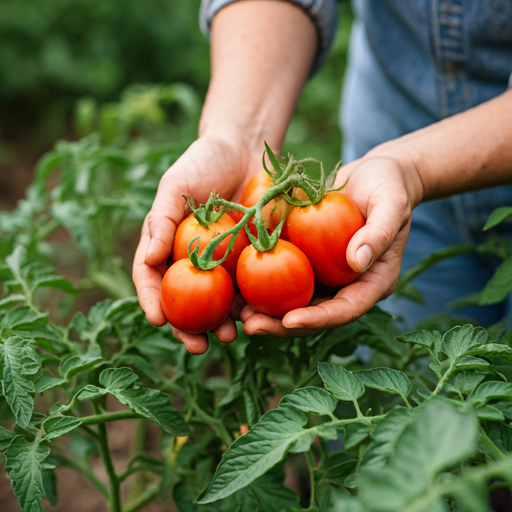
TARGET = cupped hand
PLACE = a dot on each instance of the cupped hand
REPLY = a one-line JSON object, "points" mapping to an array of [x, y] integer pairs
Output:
{"points": [[212, 162], [385, 188]]}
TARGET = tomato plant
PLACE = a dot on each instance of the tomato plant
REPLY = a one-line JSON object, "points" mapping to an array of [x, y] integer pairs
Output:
{"points": [[323, 231], [276, 281], [194, 300], [272, 213], [190, 229]]}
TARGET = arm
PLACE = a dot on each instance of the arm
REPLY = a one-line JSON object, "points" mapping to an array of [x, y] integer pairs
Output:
{"points": [[468, 151], [261, 54]]}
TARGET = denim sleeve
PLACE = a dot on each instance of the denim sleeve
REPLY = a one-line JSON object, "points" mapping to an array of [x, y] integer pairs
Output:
{"points": [[323, 13]]}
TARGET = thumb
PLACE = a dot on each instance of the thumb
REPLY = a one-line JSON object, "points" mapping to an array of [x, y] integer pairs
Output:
{"points": [[384, 222]]}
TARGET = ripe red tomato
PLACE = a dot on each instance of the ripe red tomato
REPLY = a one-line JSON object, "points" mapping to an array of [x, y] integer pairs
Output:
{"points": [[276, 281], [194, 300], [323, 231], [258, 185], [190, 229]]}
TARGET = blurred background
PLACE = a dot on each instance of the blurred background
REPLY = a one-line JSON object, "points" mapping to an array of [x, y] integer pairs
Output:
{"points": [[61, 60]]}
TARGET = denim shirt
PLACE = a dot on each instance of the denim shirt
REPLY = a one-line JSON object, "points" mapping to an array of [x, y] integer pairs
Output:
{"points": [[411, 62]]}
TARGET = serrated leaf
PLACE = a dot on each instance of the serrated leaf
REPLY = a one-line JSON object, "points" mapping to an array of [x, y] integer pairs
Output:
{"points": [[488, 412], [500, 434], [437, 439], [460, 339], [492, 350], [471, 363], [497, 216], [151, 404], [47, 382], [423, 338], [54, 281], [338, 473], [354, 434], [386, 379], [489, 390], [311, 399], [76, 363], [20, 360], [253, 454], [499, 286], [22, 319], [142, 364], [343, 384], [60, 425], [466, 382], [5, 438], [11, 300], [24, 466], [89, 392]]}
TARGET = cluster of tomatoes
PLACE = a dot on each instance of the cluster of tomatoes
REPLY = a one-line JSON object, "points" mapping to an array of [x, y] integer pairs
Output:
{"points": [[312, 248]]}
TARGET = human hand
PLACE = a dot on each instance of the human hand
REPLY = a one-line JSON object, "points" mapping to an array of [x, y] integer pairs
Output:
{"points": [[385, 187], [212, 162]]}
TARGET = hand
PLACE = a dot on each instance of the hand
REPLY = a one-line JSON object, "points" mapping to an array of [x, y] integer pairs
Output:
{"points": [[385, 187], [212, 162]]}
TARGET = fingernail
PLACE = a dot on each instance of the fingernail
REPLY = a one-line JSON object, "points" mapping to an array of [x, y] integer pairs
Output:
{"points": [[150, 246], [364, 257]]}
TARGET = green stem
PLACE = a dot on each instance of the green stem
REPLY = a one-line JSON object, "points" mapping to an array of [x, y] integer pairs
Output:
{"points": [[138, 445], [311, 466], [362, 419], [495, 452], [143, 499], [115, 495], [358, 410], [97, 419], [445, 378]]}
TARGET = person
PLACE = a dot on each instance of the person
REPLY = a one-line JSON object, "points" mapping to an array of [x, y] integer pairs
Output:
{"points": [[426, 115]]}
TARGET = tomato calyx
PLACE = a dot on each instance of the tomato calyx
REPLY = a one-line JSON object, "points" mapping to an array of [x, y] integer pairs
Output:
{"points": [[289, 175]]}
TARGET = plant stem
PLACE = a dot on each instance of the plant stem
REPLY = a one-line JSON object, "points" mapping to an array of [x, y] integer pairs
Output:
{"points": [[445, 377], [98, 419], [143, 499], [138, 445], [115, 496], [311, 466], [362, 419], [358, 410], [495, 452]]}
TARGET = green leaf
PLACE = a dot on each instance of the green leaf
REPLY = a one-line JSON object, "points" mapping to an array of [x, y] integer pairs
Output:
{"points": [[142, 364], [11, 300], [54, 281], [22, 319], [488, 412], [60, 425], [466, 382], [471, 363], [354, 434], [492, 350], [151, 404], [489, 390], [338, 473], [460, 339], [25, 464], [497, 216], [499, 286], [423, 338], [343, 384], [386, 379], [5, 438], [437, 439], [311, 399], [20, 360], [253, 454], [385, 437], [73, 364], [47, 382], [500, 435]]}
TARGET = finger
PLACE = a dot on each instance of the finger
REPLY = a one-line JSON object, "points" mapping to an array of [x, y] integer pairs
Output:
{"points": [[195, 343], [226, 332], [237, 307], [355, 299], [257, 323], [148, 281], [163, 218], [386, 218]]}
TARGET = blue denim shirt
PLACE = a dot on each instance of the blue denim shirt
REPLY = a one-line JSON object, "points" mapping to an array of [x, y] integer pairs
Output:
{"points": [[411, 62]]}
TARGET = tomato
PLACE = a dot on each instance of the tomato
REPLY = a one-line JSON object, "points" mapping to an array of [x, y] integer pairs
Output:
{"points": [[323, 231], [276, 281], [190, 229], [194, 300], [258, 185]]}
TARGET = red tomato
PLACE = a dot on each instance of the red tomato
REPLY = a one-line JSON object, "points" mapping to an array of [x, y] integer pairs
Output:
{"points": [[276, 281], [194, 300], [190, 229], [322, 231], [258, 185]]}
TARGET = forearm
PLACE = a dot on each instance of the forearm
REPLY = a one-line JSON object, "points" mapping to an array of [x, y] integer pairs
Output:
{"points": [[469, 151], [261, 55]]}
